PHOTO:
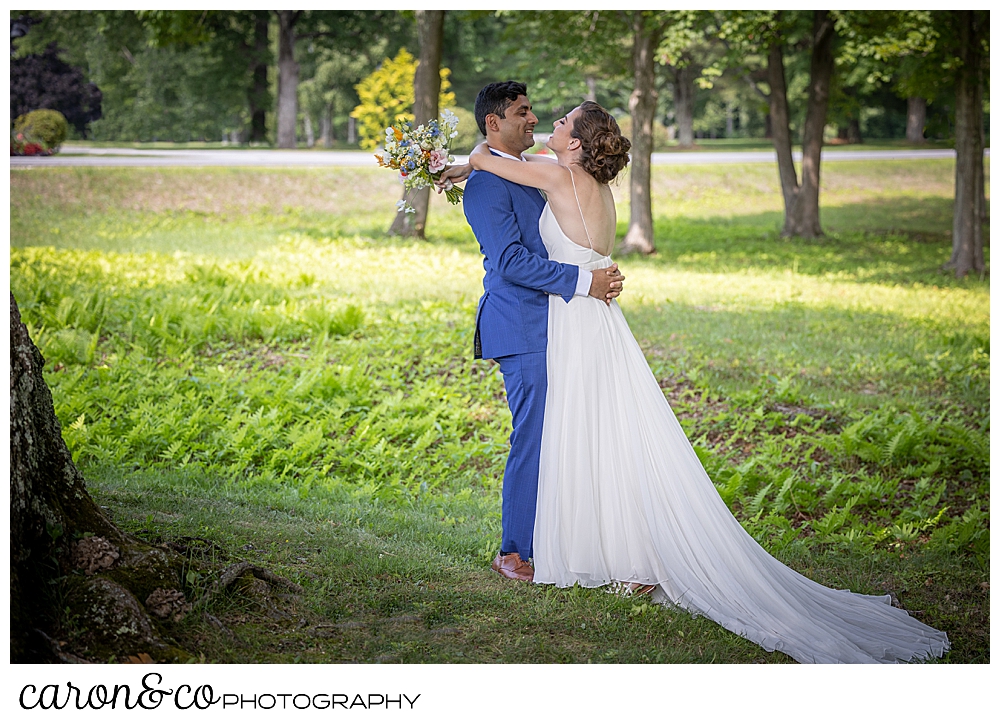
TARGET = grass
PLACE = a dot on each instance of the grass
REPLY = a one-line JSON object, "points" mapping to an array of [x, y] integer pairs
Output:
{"points": [[241, 355]]}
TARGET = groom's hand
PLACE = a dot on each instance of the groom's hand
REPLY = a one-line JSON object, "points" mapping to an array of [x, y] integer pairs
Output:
{"points": [[451, 176], [606, 284]]}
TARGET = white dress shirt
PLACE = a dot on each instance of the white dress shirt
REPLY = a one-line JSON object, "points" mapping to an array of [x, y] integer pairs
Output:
{"points": [[585, 277]]}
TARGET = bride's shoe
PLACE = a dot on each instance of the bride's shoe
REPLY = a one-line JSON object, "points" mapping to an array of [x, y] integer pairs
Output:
{"points": [[631, 590]]}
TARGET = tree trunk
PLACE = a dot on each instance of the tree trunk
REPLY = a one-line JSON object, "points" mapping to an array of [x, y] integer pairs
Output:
{"points": [[642, 105], [591, 88], [804, 219], [426, 93], [684, 102], [854, 131], [967, 225], [326, 127], [288, 78], [730, 125], [352, 130], [781, 134], [310, 137], [916, 118], [55, 527], [259, 100]]}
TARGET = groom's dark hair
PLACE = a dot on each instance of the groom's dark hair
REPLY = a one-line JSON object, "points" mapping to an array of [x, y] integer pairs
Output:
{"points": [[496, 98]]}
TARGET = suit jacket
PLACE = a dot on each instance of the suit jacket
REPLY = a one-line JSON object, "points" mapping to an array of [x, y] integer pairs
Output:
{"points": [[513, 313]]}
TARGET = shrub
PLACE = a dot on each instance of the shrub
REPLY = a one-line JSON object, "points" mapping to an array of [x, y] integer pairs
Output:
{"points": [[387, 97], [44, 127]]}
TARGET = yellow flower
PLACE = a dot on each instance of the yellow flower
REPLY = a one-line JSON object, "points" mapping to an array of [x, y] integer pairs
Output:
{"points": [[399, 133]]}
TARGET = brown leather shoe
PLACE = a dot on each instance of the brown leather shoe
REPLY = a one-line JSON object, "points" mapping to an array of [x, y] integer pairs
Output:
{"points": [[511, 566]]}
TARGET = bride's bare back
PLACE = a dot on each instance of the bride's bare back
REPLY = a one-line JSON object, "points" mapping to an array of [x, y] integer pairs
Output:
{"points": [[585, 210]]}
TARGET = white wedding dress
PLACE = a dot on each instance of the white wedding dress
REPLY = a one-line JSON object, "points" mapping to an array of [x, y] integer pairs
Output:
{"points": [[622, 496]]}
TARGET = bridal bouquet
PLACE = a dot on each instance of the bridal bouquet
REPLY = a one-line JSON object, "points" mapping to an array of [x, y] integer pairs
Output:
{"points": [[420, 155]]}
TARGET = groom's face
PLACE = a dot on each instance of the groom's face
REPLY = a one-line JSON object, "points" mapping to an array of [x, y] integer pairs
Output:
{"points": [[516, 128]]}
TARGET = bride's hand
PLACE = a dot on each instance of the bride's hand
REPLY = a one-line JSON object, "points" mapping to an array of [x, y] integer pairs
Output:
{"points": [[452, 175]]}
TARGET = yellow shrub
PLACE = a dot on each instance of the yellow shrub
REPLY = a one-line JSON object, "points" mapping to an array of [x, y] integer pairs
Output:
{"points": [[387, 97]]}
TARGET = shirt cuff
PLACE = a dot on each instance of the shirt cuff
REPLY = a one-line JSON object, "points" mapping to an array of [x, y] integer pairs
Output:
{"points": [[583, 283]]}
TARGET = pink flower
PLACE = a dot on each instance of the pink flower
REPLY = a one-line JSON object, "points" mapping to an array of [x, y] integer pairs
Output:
{"points": [[438, 160]]}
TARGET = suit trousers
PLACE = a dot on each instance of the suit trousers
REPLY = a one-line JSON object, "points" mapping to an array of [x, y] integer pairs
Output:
{"points": [[524, 376]]}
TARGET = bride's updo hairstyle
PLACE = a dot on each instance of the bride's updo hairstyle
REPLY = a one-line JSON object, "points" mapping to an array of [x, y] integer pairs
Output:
{"points": [[604, 148]]}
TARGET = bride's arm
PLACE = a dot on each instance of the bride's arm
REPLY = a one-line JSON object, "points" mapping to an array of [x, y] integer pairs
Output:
{"points": [[545, 176], [536, 157]]}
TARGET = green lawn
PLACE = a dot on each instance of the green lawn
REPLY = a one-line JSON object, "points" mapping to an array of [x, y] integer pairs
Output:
{"points": [[241, 356]]}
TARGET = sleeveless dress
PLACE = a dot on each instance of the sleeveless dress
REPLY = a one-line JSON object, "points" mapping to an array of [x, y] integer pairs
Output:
{"points": [[622, 496]]}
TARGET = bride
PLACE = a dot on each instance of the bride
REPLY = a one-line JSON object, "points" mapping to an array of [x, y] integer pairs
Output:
{"points": [[622, 496]]}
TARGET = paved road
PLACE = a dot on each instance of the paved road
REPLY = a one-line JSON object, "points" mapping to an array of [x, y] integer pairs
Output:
{"points": [[85, 156]]}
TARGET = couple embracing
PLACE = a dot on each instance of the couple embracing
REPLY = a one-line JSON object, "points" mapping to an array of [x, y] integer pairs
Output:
{"points": [[601, 484]]}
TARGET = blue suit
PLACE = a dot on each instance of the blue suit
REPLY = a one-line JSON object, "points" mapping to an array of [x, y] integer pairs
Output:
{"points": [[512, 328]]}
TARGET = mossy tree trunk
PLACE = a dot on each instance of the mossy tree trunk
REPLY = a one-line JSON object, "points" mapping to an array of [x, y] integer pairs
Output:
{"points": [[50, 513]]}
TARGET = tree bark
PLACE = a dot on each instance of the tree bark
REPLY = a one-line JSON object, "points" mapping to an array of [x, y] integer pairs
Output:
{"points": [[916, 118], [48, 498], [288, 78], [426, 93], [68, 561], [684, 102], [259, 100], [326, 127], [642, 105], [51, 516], [310, 136], [967, 224], [805, 215], [802, 199], [781, 134]]}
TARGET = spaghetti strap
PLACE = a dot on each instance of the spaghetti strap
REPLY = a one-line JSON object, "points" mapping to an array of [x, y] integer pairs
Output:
{"points": [[585, 229]]}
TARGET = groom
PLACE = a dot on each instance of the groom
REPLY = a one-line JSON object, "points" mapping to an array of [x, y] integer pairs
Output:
{"points": [[512, 318]]}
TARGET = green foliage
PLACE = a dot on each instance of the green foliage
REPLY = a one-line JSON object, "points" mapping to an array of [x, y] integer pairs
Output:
{"points": [[387, 97], [47, 127]]}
